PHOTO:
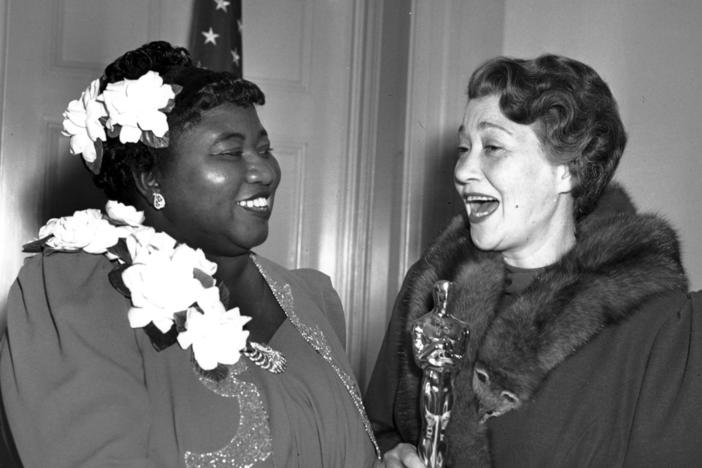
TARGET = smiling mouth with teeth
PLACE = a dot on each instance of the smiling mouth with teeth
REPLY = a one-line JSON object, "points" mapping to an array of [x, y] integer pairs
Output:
{"points": [[480, 206], [258, 204]]}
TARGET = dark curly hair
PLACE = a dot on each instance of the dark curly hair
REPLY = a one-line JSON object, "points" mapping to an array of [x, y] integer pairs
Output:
{"points": [[575, 115], [202, 89]]}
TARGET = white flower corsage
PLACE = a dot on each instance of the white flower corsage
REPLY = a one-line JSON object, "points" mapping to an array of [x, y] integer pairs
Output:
{"points": [[164, 283], [216, 335], [86, 230], [122, 214], [172, 288]]}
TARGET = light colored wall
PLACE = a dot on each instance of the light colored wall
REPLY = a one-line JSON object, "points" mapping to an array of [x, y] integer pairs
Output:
{"points": [[649, 53]]}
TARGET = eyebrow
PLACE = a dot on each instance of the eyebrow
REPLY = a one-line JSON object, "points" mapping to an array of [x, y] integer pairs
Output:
{"points": [[228, 136], [485, 124], [237, 135]]}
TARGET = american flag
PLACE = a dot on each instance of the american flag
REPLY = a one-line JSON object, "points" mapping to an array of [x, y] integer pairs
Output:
{"points": [[215, 36]]}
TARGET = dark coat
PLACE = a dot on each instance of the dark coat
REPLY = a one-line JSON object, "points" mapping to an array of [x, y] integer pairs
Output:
{"points": [[603, 352]]}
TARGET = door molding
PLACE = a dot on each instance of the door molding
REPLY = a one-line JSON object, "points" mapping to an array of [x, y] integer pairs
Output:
{"points": [[354, 251], [6, 276]]}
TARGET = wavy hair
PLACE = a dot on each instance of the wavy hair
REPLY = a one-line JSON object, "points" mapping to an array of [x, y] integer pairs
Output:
{"points": [[571, 109]]}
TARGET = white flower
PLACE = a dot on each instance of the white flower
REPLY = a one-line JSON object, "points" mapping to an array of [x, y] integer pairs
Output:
{"points": [[144, 242], [86, 230], [162, 278], [81, 122], [49, 228], [135, 106], [159, 288], [195, 258], [124, 214], [216, 335]]}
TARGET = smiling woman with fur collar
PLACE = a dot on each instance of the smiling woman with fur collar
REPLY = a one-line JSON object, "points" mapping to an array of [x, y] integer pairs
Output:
{"points": [[585, 348]]}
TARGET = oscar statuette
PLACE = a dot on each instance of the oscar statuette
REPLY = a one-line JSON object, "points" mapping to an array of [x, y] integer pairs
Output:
{"points": [[438, 342]]}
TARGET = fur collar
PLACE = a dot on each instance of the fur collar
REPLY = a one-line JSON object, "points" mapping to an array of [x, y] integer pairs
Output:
{"points": [[619, 261]]}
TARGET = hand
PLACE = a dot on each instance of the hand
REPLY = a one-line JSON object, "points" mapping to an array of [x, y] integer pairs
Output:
{"points": [[402, 456]]}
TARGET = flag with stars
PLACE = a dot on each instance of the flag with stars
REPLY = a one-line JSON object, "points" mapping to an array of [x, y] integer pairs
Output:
{"points": [[215, 36]]}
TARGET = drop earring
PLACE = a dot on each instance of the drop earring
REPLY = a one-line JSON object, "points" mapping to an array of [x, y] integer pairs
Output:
{"points": [[159, 202]]}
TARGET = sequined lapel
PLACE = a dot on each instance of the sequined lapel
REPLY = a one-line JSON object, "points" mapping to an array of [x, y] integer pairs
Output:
{"points": [[314, 336]]}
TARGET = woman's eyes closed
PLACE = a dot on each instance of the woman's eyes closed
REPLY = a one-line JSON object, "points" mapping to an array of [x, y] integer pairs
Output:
{"points": [[265, 151], [235, 153], [487, 148], [239, 152], [492, 148]]}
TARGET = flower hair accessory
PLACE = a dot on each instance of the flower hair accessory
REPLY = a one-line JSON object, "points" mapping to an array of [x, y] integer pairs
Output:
{"points": [[133, 110], [172, 289]]}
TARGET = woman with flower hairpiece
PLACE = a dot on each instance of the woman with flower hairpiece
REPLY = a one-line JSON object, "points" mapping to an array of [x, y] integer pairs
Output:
{"points": [[150, 334]]}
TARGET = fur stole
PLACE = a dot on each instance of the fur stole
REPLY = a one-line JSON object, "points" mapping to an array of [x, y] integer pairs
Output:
{"points": [[620, 260]]}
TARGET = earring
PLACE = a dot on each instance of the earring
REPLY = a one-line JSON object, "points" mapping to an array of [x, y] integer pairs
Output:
{"points": [[159, 201]]}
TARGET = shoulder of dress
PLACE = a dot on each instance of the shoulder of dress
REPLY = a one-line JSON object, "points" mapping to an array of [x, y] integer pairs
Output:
{"points": [[310, 275], [66, 264], [308, 278], [71, 278], [68, 294]]}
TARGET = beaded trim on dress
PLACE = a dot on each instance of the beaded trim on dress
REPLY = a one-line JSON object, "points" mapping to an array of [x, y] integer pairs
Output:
{"points": [[252, 442], [315, 337]]}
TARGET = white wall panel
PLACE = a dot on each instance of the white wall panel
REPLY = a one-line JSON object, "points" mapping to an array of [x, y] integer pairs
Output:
{"points": [[90, 34], [277, 42]]}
